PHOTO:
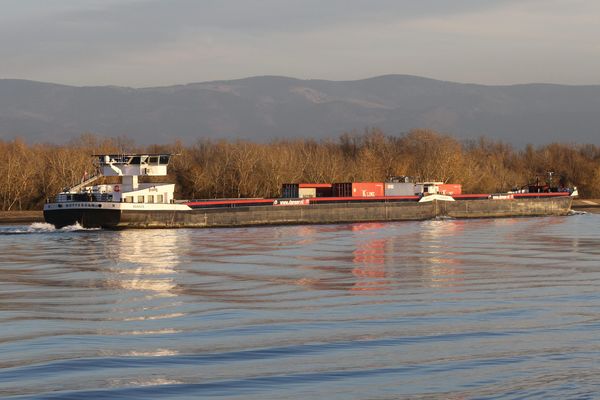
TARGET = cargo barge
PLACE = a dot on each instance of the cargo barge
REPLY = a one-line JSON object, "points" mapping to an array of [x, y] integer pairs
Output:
{"points": [[131, 204]]}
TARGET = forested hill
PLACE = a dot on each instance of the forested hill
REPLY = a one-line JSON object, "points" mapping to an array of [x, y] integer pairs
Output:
{"points": [[262, 108]]}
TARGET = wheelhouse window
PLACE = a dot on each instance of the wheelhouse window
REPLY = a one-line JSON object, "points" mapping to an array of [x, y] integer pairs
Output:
{"points": [[140, 199], [159, 198], [150, 198]]}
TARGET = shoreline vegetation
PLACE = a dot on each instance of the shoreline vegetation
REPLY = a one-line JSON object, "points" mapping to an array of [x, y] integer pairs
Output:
{"points": [[31, 173]]}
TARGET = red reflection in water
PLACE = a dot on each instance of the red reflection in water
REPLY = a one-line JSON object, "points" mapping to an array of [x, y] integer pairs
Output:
{"points": [[378, 266], [366, 226], [370, 257]]}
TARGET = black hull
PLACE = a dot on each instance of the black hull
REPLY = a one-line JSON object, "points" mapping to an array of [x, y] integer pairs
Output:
{"points": [[311, 214], [87, 218]]}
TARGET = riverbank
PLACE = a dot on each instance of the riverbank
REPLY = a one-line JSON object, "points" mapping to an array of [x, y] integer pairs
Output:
{"points": [[588, 205], [21, 217]]}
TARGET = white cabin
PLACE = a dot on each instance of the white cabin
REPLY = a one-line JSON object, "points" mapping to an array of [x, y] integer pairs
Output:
{"points": [[129, 167], [427, 187]]}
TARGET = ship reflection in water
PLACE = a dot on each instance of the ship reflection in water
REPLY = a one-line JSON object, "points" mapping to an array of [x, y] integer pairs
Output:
{"points": [[371, 272], [145, 261], [142, 267], [442, 263], [394, 262], [504, 308]]}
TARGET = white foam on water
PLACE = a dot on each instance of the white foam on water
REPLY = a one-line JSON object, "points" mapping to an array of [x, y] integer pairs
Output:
{"points": [[577, 212], [36, 227], [40, 227], [77, 227]]}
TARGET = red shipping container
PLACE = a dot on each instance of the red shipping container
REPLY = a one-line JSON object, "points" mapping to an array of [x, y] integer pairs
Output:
{"points": [[367, 189], [450, 189]]}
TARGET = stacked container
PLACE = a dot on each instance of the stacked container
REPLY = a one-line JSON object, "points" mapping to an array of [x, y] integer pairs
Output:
{"points": [[399, 189], [315, 190], [290, 191], [358, 189], [305, 190], [450, 189]]}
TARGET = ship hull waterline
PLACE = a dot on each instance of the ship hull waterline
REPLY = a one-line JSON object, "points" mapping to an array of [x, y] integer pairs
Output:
{"points": [[313, 214]]}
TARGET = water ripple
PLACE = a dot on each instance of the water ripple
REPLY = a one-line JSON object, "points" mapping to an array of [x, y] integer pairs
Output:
{"points": [[501, 308]]}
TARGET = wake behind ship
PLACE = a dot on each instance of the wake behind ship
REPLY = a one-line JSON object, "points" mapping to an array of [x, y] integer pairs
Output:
{"points": [[132, 204]]}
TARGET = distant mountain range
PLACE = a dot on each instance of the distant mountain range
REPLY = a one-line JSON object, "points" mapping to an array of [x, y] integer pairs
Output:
{"points": [[262, 108]]}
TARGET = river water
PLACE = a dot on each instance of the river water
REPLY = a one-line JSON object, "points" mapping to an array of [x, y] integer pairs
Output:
{"points": [[458, 309]]}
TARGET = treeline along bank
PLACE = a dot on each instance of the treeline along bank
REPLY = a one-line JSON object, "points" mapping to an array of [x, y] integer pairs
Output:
{"points": [[29, 174]]}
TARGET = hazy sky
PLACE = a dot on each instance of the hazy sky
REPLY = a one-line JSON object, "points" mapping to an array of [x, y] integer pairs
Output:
{"points": [[163, 42]]}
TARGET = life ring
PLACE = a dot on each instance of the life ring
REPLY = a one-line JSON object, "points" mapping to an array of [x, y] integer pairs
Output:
{"points": [[116, 188]]}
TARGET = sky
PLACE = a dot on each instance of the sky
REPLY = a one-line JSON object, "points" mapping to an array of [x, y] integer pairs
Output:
{"points": [[142, 43]]}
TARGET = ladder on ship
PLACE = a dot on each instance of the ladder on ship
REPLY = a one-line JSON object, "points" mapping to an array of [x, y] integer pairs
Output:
{"points": [[84, 183]]}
